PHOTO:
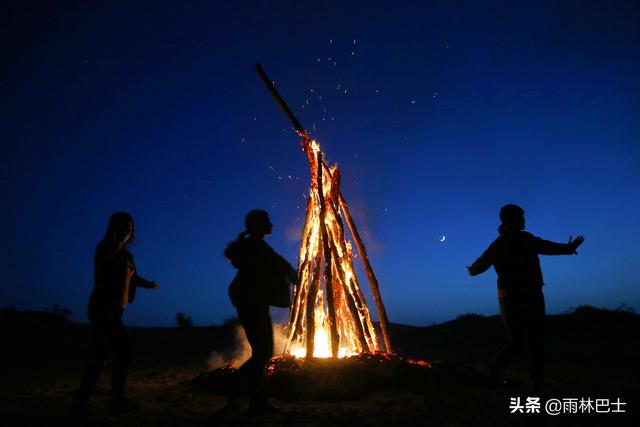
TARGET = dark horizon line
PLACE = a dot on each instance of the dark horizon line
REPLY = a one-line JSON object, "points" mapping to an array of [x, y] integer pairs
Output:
{"points": [[622, 308]]}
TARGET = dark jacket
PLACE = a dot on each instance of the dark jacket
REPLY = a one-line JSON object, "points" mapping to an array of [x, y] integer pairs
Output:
{"points": [[258, 266], [514, 256], [114, 276]]}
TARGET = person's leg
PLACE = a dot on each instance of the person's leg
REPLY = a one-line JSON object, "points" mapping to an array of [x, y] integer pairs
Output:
{"points": [[250, 323], [263, 353], [119, 341], [536, 344], [511, 316], [269, 337], [96, 358]]}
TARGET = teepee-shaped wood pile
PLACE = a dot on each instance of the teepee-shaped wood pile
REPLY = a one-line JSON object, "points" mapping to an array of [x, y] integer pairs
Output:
{"points": [[329, 316]]}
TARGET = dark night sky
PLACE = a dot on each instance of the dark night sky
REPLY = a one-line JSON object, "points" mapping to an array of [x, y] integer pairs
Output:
{"points": [[438, 113]]}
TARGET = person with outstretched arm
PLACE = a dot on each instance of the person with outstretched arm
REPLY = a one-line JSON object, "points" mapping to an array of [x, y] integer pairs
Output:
{"points": [[514, 256], [115, 281]]}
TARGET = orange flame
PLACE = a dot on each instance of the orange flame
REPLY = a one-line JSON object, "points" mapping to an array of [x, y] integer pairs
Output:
{"points": [[353, 323]]}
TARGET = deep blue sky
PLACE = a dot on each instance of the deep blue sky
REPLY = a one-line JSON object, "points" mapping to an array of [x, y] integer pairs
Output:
{"points": [[451, 110]]}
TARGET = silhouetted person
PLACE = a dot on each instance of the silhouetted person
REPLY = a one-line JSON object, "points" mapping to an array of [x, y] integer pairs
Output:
{"points": [[115, 281], [257, 264], [514, 256]]}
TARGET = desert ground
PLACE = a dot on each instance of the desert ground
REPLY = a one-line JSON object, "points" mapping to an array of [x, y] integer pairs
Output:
{"points": [[590, 353]]}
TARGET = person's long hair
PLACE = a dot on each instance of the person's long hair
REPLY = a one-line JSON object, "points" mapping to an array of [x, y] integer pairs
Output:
{"points": [[119, 221]]}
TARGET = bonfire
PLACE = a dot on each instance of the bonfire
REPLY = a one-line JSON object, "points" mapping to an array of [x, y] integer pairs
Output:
{"points": [[329, 316]]}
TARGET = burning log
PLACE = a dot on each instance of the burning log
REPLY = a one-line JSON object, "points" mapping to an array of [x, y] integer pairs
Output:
{"points": [[339, 238], [351, 305], [302, 265], [373, 281], [327, 258], [334, 322], [314, 285]]}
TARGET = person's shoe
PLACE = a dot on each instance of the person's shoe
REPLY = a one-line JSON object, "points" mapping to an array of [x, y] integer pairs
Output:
{"points": [[122, 404]]}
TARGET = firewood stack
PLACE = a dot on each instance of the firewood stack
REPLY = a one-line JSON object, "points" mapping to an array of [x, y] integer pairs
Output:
{"points": [[329, 315]]}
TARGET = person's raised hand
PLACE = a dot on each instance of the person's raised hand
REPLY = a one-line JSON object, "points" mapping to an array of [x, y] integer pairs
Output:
{"points": [[575, 243]]}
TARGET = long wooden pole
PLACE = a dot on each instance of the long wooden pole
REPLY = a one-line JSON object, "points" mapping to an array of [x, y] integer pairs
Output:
{"points": [[373, 281], [331, 309], [349, 299], [276, 97], [302, 262], [348, 294], [300, 290], [310, 313]]}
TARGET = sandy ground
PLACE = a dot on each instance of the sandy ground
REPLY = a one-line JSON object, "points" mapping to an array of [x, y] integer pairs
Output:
{"points": [[167, 379]]}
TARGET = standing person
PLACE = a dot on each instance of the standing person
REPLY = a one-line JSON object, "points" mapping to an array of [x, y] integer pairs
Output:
{"points": [[251, 293], [115, 281], [514, 256]]}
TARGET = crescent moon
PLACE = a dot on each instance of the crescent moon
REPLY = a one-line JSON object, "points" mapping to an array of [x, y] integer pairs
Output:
{"points": [[443, 238]]}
